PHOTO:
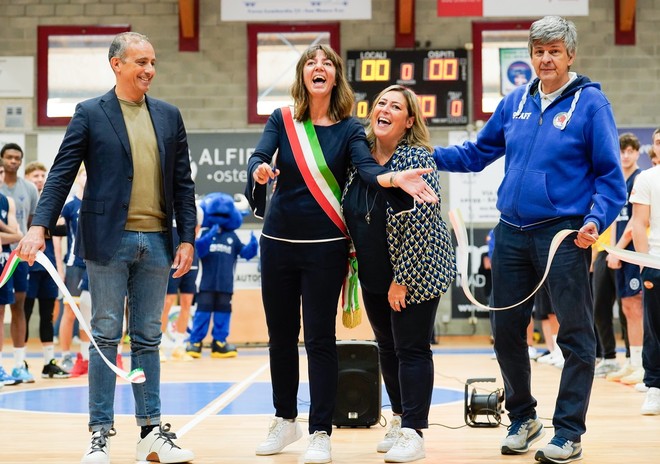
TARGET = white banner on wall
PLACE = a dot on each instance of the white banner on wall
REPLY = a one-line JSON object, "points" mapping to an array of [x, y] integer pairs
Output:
{"points": [[536, 8], [17, 76], [531, 8], [294, 10], [475, 193]]}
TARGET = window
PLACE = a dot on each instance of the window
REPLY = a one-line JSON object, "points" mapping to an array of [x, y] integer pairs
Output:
{"points": [[273, 51], [500, 61], [72, 66]]}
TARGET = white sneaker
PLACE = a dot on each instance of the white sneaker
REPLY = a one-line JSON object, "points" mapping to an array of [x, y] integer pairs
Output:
{"points": [[281, 433], [558, 359], [547, 358], [159, 446], [651, 406], [391, 436], [532, 352], [625, 370], [634, 377], [605, 367], [98, 451], [409, 447], [641, 387], [318, 451]]}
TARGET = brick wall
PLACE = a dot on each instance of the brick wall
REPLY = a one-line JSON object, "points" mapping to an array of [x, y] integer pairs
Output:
{"points": [[210, 85]]}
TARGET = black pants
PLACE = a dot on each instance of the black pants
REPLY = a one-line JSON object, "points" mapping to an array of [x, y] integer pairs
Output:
{"points": [[313, 273], [405, 355], [651, 351], [604, 291]]}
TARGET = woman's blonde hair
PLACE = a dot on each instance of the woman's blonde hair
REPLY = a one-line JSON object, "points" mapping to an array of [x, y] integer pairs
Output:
{"points": [[418, 134], [341, 100]]}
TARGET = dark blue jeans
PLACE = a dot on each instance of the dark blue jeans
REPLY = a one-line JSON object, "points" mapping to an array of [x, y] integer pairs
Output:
{"points": [[651, 352], [404, 352], [519, 261]]}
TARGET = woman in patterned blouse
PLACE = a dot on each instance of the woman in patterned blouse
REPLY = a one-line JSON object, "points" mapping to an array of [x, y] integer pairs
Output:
{"points": [[406, 263]]}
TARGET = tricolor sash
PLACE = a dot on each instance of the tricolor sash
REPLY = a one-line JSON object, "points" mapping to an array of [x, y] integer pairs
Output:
{"points": [[326, 191]]}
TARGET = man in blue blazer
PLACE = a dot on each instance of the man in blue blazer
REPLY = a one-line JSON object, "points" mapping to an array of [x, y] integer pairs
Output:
{"points": [[135, 152]]}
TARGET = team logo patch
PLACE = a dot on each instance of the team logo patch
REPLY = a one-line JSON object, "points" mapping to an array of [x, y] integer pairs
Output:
{"points": [[648, 284], [559, 121], [634, 284]]}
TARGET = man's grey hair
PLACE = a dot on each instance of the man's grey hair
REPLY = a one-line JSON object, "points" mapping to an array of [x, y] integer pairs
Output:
{"points": [[550, 29], [121, 42]]}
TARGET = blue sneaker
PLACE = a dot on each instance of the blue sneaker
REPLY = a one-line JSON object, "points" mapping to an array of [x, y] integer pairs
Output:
{"points": [[22, 373], [559, 451], [6, 379]]}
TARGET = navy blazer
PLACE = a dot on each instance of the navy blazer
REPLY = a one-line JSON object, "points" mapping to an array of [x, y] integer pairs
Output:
{"points": [[97, 136]]}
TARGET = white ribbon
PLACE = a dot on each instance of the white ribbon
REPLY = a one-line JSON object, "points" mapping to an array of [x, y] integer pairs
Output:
{"points": [[136, 375], [641, 259]]}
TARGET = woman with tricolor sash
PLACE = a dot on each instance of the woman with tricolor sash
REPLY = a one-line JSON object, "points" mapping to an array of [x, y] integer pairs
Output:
{"points": [[304, 243]]}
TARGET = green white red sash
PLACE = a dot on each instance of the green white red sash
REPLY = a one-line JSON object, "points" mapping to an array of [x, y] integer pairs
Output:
{"points": [[326, 191]]}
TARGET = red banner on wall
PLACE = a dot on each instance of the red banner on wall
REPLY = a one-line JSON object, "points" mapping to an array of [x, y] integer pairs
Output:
{"points": [[460, 8]]}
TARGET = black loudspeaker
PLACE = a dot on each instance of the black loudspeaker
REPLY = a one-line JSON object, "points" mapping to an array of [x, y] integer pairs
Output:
{"points": [[358, 392]]}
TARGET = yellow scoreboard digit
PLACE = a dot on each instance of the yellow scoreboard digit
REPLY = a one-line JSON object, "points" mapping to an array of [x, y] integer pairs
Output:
{"points": [[375, 70], [438, 77]]}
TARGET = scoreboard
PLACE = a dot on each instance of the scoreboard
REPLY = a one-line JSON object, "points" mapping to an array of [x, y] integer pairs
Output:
{"points": [[438, 77]]}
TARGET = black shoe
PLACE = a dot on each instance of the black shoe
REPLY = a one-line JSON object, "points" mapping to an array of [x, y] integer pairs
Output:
{"points": [[223, 350], [53, 371], [194, 349]]}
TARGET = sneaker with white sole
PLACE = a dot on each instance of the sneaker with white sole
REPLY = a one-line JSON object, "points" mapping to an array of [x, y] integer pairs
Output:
{"points": [[6, 379], [53, 371], [522, 433], [159, 446], [98, 451], [22, 373], [625, 370], [319, 448], [651, 406], [634, 377], [605, 367], [281, 433], [559, 451], [408, 447], [391, 436], [533, 352], [67, 363], [550, 358], [641, 387]]}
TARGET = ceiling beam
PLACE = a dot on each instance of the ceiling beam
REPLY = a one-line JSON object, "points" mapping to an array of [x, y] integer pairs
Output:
{"points": [[188, 25], [624, 22]]}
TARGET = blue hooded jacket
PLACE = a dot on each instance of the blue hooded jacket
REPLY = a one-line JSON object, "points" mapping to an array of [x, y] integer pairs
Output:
{"points": [[559, 163]]}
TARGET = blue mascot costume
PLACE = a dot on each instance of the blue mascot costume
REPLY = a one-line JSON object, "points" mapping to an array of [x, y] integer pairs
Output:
{"points": [[218, 248]]}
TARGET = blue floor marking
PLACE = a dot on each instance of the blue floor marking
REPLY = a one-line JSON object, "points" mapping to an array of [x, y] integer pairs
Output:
{"points": [[177, 398]]}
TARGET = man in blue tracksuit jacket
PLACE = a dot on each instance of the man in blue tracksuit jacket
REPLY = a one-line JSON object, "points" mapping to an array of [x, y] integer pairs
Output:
{"points": [[562, 171]]}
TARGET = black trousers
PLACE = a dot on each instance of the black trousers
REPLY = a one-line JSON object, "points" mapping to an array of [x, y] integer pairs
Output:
{"points": [[311, 273], [604, 291], [405, 355]]}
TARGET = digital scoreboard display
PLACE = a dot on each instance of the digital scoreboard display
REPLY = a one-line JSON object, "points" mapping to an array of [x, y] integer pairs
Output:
{"points": [[438, 77]]}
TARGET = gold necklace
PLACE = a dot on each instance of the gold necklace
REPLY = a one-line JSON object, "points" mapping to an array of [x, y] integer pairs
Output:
{"points": [[367, 217]]}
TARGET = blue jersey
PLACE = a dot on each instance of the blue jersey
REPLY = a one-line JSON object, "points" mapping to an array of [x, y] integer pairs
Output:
{"points": [[219, 263], [70, 213]]}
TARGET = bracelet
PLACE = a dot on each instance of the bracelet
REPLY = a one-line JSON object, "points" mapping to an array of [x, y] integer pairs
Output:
{"points": [[392, 176]]}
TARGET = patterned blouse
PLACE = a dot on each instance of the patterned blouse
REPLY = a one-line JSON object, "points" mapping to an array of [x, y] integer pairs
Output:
{"points": [[418, 242]]}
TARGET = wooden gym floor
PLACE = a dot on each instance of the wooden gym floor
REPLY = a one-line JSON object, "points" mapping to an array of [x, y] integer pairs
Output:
{"points": [[221, 431]]}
